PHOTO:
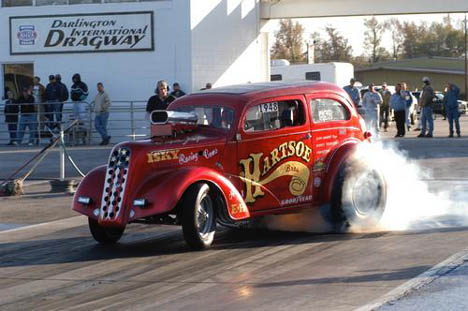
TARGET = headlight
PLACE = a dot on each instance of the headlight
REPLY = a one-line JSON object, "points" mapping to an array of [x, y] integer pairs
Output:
{"points": [[139, 202], [84, 200]]}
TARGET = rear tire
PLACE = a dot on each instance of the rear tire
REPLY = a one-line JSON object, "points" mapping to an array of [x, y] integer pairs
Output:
{"points": [[359, 197], [199, 216], [104, 235]]}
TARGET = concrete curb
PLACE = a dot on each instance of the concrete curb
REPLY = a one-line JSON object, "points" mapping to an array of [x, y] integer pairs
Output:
{"points": [[418, 282]]}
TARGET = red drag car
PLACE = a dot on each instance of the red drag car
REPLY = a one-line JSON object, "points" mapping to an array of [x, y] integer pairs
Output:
{"points": [[235, 153]]}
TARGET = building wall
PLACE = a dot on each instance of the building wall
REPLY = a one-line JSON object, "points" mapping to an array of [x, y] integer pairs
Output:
{"points": [[413, 79], [126, 75], [227, 44]]}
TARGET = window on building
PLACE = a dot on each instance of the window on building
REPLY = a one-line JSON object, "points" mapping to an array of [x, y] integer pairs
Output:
{"points": [[276, 77], [326, 110], [51, 2], [314, 76], [8, 3], [274, 115]]}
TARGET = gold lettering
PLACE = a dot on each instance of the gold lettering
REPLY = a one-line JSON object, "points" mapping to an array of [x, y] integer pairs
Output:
{"points": [[251, 178], [292, 148], [307, 152], [274, 157], [300, 149], [157, 156], [165, 156], [266, 165], [282, 148], [150, 157], [175, 154]]}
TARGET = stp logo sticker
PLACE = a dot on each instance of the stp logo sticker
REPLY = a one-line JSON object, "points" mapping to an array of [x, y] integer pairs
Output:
{"points": [[27, 35]]}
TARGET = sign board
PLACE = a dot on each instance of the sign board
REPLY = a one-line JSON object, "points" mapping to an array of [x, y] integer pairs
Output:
{"points": [[82, 33]]}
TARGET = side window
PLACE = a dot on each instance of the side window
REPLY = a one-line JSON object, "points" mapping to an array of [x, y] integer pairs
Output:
{"points": [[274, 115], [325, 110], [314, 76], [276, 77]]}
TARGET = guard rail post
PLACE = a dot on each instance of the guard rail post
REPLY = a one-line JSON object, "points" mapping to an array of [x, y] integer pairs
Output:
{"points": [[90, 128], [62, 155], [132, 121]]}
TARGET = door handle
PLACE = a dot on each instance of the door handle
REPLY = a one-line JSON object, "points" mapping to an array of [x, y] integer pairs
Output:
{"points": [[307, 136]]}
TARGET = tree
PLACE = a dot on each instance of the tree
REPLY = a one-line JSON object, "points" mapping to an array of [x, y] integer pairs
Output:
{"points": [[373, 38], [334, 48], [289, 42], [394, 26]]}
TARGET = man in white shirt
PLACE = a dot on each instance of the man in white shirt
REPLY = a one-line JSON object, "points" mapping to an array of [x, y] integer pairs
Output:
{"points": [[371, 102]]}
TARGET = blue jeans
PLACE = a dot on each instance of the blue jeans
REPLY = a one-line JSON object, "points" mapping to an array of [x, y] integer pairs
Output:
{"points": [[27, 121], [54, 109], [426, 116], [100, 123], [453, 115]]}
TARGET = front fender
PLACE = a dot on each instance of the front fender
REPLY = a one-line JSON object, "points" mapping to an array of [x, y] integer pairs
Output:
{"points": [[91, 186], [165, 189]]}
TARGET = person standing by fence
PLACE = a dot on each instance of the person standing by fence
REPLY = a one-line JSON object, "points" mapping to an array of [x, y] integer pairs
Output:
{"points": [[78, 94], [102, 103], [63, 91], [11, 110], [39, 94], [53, 103], [161, 100], [27, 116]]}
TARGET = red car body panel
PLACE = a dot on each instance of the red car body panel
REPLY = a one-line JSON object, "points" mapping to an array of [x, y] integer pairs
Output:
{"points": [[257, 173]]}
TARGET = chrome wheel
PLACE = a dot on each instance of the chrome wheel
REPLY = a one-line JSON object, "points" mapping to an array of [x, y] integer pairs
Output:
{"points": [[205, 216]]}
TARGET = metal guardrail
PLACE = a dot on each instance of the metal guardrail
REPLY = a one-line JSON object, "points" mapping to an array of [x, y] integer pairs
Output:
{"points": [[127, 121]]}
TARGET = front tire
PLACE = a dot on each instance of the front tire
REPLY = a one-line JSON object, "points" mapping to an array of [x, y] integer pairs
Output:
{"points": [[359, 197], [199, 216], [104, 235]]}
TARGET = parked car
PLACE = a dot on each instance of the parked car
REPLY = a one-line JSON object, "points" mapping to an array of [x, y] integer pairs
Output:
{"points": [[234, 154], [462, 106], [438, 103]]}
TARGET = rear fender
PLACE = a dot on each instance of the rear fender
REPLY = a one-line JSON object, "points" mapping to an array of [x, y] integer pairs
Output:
{"points": [[338, 157], [91, 186], [164, 190]]}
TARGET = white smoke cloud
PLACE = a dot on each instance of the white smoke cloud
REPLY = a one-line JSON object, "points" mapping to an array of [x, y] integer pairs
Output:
{"points": [[413, 203]]}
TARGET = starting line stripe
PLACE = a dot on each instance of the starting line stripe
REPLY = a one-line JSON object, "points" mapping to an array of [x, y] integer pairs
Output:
{"points": [[419, 281]]}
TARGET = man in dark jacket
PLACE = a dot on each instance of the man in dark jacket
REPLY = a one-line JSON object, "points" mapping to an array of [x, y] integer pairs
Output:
{"points": [[78, 94], [161, 100], [63, 90], [53, 103], [11, 116], [27, 116], [176, 91], [426, 103], [451, 108]]}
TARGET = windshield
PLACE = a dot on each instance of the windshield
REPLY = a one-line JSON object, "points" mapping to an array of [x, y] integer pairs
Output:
{"points": [[211, 116]]}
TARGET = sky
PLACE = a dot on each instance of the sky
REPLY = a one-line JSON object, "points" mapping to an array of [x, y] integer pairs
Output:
{"points": [[353, 28]]}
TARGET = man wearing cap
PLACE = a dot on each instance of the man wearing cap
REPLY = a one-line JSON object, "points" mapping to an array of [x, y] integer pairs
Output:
{"points": [[426, 102], [451, 108], [371, 102], [353, 92], [176, 91], [53, 103], [385, 107]]}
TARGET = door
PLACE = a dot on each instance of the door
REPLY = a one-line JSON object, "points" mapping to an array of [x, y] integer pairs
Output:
{"points": [[275, 153], [17, 76]]}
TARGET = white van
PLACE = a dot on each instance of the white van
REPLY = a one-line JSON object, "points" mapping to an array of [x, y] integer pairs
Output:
{"points": [[337, 73]]}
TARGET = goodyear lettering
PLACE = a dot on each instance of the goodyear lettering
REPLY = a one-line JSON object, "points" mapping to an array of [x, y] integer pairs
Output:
{"points": [[159, 156]]}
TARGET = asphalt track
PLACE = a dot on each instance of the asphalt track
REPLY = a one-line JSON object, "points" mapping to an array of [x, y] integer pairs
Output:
{"points": [[48, 261]]}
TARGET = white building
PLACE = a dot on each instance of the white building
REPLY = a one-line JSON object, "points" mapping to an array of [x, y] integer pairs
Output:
{"points": [[130, 44]]}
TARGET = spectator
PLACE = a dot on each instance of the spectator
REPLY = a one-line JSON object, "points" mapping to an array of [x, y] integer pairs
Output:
{"points": [[161, 100], [398, 103], [451, 108], [64, 95], [353, 92], [385, 107], [177, 92], [207, 87], [409, 102], [11, 110], [27, 116], [426, 102], [79, 93], [39, 94], [102, 103], [52, 107], [371, 103]]}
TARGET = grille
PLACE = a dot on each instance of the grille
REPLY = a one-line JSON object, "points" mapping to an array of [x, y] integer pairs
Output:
{"points": [[115, 183]]}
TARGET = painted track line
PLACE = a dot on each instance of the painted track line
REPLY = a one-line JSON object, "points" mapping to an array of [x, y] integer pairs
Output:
{"points": [[419, 281]]}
